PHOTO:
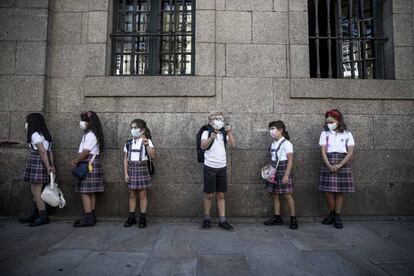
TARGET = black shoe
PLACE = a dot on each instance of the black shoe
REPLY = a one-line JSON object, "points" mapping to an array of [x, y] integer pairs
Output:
{"points": [[142, 222], [86, 221], [39, 221], [226, 225], [28, 219], [206, 224], [329, 219], [293, 223], [32, 217], [275, 220], [130, 221], [338, 222]]}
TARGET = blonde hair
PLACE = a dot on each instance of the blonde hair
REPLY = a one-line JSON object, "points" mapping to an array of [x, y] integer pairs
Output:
{"points": [[215, 114]]}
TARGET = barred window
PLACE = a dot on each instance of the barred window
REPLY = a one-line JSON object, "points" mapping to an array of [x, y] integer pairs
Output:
{"points": [[153, 37], [346, 39]]}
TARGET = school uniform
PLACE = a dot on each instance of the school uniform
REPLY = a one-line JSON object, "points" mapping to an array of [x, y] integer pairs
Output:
{"points": [[35, 171], [336, 148], [215, 165], [280, 155], [93, 182], [139, 176]]}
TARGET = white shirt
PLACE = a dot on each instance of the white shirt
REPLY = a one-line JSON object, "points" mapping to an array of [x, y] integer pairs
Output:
{"points": [[89, 142], [136, 145], [285, 149], [37, 138], [215, 157], [337, 142]]}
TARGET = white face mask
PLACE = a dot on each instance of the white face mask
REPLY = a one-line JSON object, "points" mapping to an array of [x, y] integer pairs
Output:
{"points": [[136, 132], [217, 124], [273, 133], [26, 126], [83, 125], [332, 126]]}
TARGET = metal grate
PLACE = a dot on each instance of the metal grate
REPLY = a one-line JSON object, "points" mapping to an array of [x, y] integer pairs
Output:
{"points": [[153, 37], [345, 39]]}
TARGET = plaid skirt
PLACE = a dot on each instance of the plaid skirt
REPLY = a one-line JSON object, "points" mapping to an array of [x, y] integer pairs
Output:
{"points": [[278, 187], [35, 171], [339, 182], [93, 182], [139, 177]]}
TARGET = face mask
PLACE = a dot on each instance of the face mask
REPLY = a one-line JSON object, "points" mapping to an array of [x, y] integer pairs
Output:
{"points": [[332, 126], [136, 132], [273, 133], [82, 125], [26, 126], [218, 124]]}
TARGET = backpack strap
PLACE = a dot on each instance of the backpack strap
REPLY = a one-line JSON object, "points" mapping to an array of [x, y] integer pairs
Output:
{"points": [[141, 150], [327, 140], [277, 149], [128, 145]]}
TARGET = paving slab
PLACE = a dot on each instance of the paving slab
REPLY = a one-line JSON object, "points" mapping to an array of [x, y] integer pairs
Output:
{"points": [[181, 247], [223, 265], [54, 262], [169, 266], [341, 262]]}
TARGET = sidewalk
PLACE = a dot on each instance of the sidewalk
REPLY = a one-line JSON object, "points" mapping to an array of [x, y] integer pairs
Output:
{"points": [[361, 248]]}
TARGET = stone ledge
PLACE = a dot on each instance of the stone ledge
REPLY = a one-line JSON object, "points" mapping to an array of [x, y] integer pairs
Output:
{"points": [[352, 89], [150, 86]]}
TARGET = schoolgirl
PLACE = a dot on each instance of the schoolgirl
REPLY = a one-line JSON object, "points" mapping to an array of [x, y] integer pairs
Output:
{"points": [[91, 146], [336, 176], [281, 152], [39, 166], [137, 151]]}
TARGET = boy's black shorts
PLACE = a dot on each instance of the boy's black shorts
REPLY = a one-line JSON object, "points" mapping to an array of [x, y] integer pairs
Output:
{"points": [[215, 180]]}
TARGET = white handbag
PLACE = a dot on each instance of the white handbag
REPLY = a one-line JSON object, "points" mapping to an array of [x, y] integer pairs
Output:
{"points": [[52, 195]]}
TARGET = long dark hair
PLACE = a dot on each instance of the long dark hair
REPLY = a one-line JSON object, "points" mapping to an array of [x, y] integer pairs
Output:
{"points": [[337, 115], [143, 125], [36, 123], [280, 125], [94, 125]]}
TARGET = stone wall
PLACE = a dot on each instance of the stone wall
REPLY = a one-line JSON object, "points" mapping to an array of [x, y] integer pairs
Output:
{"points": [[252, 61]]}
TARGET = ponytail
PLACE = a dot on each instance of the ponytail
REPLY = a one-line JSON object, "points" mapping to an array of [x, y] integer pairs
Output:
{"points": [[147, 133], [280, 125]]}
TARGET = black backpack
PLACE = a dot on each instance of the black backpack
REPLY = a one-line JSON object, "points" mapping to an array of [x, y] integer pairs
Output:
{"points": [[210, 129]]}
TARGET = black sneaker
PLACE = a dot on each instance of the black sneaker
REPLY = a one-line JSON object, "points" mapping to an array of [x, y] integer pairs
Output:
{"points": [[226, 225], [86, 221], [329, 219], [28, 219], [206, 224], [275, 220], [130, 221], [142, 222], [32, 217], [39, 221], [293, 223], [338, 222]]}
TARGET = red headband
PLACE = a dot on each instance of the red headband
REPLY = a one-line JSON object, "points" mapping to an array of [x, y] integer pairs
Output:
{"points": [[334, 114]]}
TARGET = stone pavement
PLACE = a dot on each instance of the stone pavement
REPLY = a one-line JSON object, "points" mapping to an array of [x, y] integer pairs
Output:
{"points": [[182, 248]]}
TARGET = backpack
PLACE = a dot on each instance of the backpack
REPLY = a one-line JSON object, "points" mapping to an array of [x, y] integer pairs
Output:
{"points": [[150, 163], [210, 129]]}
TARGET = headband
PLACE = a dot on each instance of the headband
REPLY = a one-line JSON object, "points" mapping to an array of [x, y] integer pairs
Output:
{"points": [[334, 114]]}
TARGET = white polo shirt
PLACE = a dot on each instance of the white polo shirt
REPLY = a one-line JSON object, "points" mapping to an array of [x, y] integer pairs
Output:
{"points": [[337, 141], [89, 142], [136, 145], [285, 149], [37, 138], [215, 157]]}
